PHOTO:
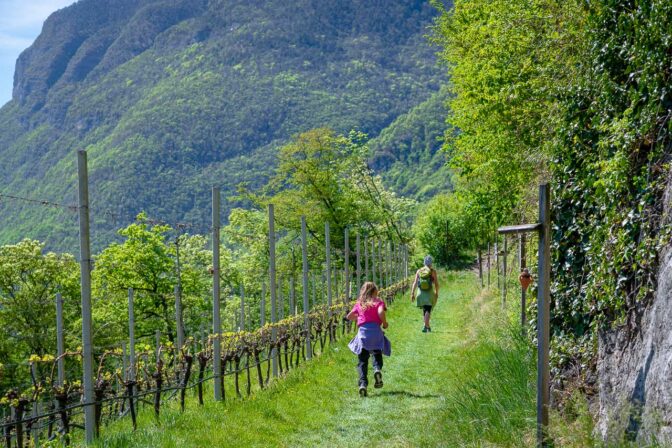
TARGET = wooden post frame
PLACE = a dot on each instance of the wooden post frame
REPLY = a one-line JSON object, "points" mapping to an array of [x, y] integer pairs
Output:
{"points": [[131, 337], [406, 255], [304, 259], [60, 340], [497, 260], [216, 297], [242, 307], [543, 227], [272, 284], [327, 248], [488, 263], [90, 428], [178, 319], [366, 260], [523, 291], [358, 268], [346, 267], [262, 305], [374, 277], [480, 267], [292, 295], [381, 265], [504, 273]]}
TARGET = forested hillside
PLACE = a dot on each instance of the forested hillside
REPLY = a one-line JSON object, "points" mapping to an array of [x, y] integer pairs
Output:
{"points": [[407, 151], [170, 97]]}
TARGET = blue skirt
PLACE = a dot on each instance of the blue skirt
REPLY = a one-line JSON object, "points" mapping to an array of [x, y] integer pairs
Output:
{"points": [[370, 337]]}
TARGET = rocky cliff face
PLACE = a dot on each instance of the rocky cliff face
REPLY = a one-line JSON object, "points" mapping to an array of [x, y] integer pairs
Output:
{"points": [[635, 368], [73, 42]]}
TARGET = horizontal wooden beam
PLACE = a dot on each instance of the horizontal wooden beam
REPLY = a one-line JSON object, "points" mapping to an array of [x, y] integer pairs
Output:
{"points": [[522, 228]]}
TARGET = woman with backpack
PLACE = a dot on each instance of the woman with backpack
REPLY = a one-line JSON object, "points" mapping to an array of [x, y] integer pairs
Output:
{"points": [[426, 284]]}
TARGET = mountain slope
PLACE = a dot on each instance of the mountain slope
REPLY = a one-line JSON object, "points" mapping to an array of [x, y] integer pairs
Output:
{"points": [[172, 96], [408, 154]]}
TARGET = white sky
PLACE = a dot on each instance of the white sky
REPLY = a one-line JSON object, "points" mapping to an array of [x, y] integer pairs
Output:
{"points": [[20, 23]]}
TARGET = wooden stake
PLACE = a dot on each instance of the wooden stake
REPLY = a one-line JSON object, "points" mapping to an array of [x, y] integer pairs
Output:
{"points": [[306, 317], [85, 283], [216, 297]]}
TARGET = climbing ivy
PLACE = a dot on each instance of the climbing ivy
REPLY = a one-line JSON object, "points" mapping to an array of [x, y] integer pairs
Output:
{"points": [[577, 93], [610, 169]]}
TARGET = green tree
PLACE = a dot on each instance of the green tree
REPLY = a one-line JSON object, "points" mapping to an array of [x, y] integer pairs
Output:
{"points": [[324, 176], [147, 262], [508, 62], [612, 168], [443, 229], [29, 281]]}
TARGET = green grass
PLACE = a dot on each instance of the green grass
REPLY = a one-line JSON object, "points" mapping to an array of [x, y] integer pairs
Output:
{"points": [[468, 383]]}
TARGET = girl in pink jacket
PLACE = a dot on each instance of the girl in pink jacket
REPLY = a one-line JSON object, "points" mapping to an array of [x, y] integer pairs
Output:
{"points": [[369, 312]]}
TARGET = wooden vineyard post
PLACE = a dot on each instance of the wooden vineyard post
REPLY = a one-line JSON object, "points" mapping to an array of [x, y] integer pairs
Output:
{"points": [[379, 263], [504, 271], [292, 295], [395, 262], [386, 263], [327, 242], [178, 319], [406, 256], [262, 317], [480, 266], [60, 340], [346, 275], [543, 314], [131, 336], [390, 262], [358, 269], [242, 307], [497, 261], [271, 269], [488, 263], [85, 283], [130, 377], [313, 282], [375, 268], [124, 366], [306, 316], [523, 295], [366, 260], [374, 277], [280, 311], [400, 262], [216, 298], [543, 227]]}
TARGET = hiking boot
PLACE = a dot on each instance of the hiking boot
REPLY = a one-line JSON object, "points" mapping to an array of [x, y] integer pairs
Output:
{"points": [[378, 376], [424, 329], [362, 391]]}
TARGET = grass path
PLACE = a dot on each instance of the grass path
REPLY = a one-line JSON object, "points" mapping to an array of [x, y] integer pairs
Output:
{"points": [[408, 410], [318, 405]]}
